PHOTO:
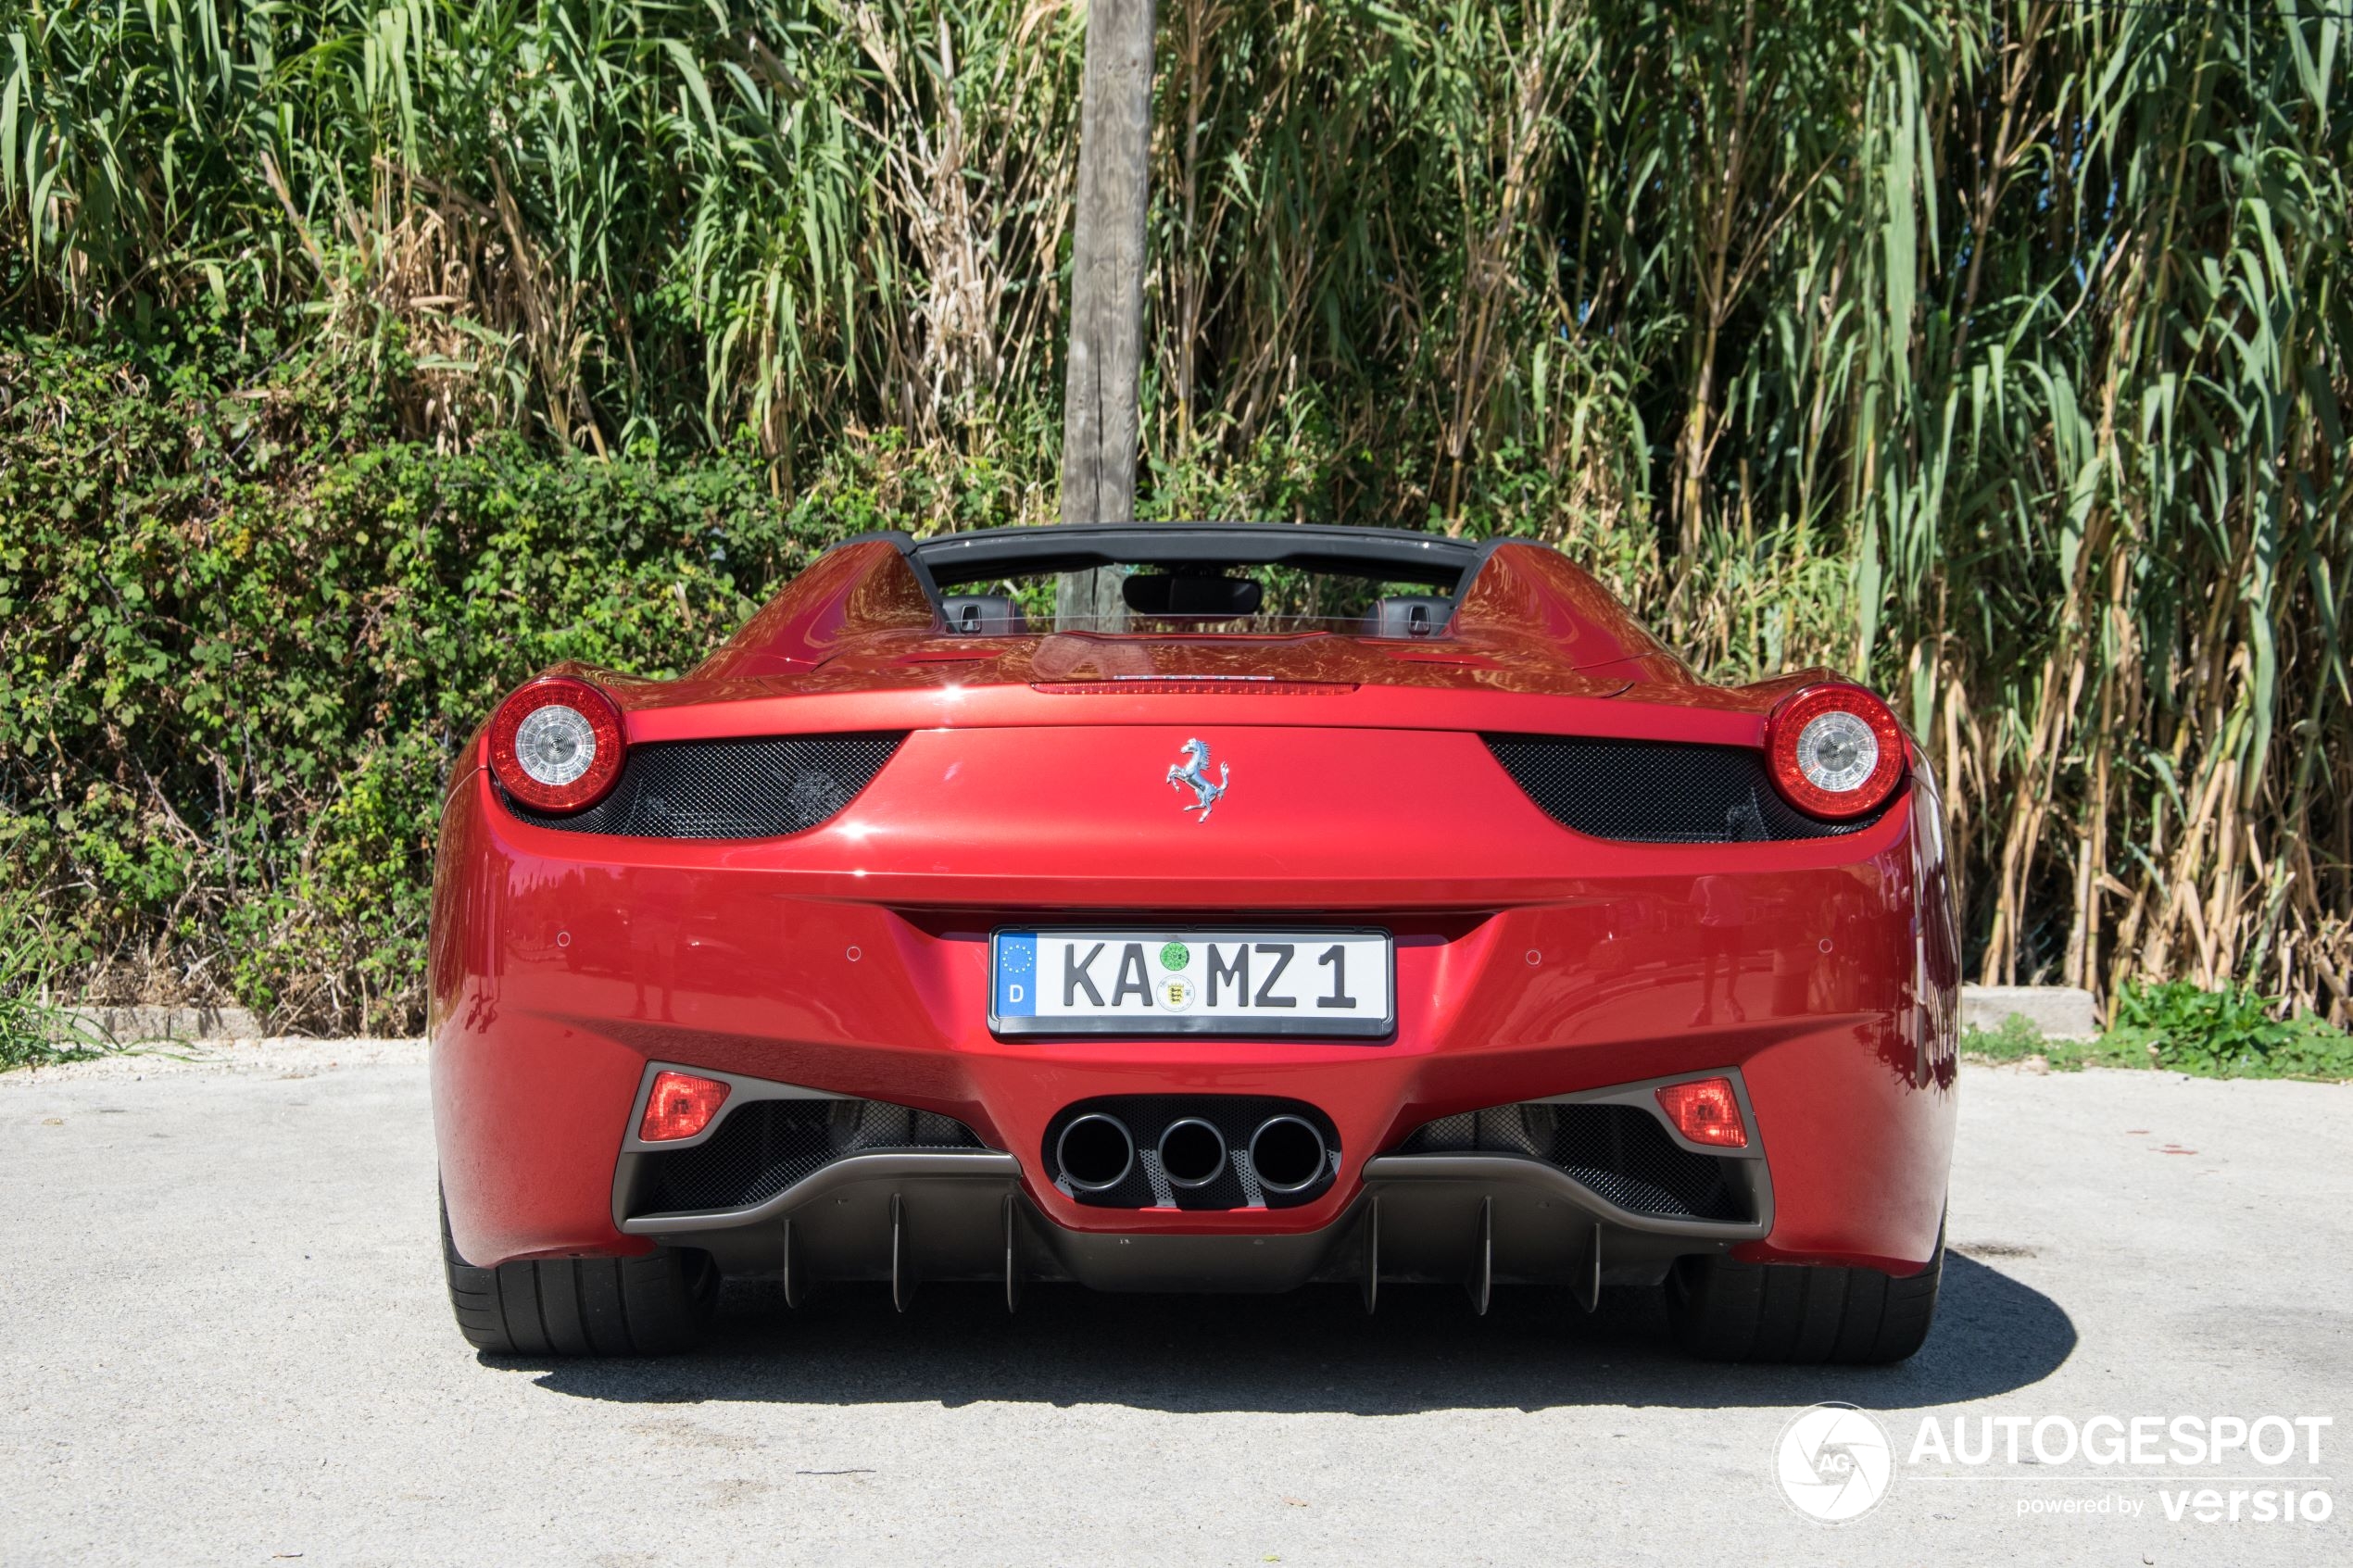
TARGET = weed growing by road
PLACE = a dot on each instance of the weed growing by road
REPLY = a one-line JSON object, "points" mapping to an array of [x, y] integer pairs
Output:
{"points": [[35, 1032], [2181, 1027]]}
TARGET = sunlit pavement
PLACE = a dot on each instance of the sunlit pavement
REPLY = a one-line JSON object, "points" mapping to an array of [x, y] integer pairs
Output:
{"points": [[225, 1341]]}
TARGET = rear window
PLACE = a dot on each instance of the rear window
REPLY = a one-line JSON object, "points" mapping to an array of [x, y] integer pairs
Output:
{"points": [[1234, 601]]}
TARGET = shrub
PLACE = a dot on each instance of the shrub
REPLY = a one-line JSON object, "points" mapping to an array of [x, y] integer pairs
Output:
{"points": [[241, 636]]}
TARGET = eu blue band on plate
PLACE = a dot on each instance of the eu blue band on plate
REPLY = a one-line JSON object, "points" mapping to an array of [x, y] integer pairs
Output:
{"points": [[1017, 974]]}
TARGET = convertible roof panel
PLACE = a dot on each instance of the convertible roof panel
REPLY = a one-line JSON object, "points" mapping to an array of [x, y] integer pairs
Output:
{"points": [[1386, 553]]}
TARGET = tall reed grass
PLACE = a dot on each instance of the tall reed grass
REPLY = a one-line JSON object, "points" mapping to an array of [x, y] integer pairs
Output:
{"points": [[1995, 349]]}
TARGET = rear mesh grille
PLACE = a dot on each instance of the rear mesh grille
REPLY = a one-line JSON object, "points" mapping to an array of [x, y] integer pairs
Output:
{"points": [[1619, 1151], [1658, 792], [764, 1147], [729, 788]]}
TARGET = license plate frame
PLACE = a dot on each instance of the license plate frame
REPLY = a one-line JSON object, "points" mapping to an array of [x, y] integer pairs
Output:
{"points": [[1159, 1022]]}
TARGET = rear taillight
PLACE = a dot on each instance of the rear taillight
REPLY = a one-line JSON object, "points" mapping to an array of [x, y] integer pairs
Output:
{"points": [[556, 744], [1705, 1112], [1834, 751], [680, 1105]]}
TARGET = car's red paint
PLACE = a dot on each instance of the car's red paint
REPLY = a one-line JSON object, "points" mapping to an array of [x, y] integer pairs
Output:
{"points": [[1531, 960]]}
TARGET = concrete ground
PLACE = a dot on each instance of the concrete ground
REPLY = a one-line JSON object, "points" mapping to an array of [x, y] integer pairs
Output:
{"points": [[224, 1339]]}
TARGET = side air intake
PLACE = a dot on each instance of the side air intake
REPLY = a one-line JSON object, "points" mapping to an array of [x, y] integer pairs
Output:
{"points": [[1620, 1152], [728, 788], [760, 1148], [1658, 792]]}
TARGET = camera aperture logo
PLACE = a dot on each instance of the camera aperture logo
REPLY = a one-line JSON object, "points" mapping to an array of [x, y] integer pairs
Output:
{"points": [[1834, 1463]]}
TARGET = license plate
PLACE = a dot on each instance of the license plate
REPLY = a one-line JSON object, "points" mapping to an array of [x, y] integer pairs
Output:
{"points": [[1179, 982]]}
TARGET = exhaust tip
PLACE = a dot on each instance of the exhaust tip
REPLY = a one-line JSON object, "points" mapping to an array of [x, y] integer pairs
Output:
{"points": [[1192, 1153], [1095, 1152], [1289, 1154]]}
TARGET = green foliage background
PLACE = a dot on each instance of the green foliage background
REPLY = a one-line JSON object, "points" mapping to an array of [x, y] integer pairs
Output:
{"points": [[2180, 1026], [357, 358]]}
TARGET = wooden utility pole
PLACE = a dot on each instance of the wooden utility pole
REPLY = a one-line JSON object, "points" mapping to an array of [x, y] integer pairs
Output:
{"points": [[1100, 427]]}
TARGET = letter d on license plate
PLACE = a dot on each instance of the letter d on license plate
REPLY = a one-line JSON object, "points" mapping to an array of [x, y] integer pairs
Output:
{"points": [[1338, 984]]}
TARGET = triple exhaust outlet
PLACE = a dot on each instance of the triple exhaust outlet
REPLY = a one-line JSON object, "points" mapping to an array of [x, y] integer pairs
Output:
{"points": [[1096, 1152]]}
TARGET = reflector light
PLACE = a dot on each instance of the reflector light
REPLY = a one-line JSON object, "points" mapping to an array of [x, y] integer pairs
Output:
{"points": [[680, 1105], [1834, 751], [1705, 1112], [555, 744]]}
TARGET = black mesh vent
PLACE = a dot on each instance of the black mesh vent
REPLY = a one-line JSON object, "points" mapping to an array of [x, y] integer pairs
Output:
{"points": [[1234, 1116], [729, 788], [1658, 792], [762, 1148], [1622, 1152]]}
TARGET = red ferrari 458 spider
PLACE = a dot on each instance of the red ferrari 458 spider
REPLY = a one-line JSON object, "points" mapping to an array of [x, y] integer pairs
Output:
{"points": [[1364, 906]]}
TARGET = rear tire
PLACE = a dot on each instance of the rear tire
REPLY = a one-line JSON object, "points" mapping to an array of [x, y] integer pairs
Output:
{"points": [[1726, 1311], [650, 1306]]}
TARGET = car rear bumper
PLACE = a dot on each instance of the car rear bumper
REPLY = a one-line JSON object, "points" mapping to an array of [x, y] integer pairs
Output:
{"points": [[1476, 1220], [1441, 1210], [1540, 965]]}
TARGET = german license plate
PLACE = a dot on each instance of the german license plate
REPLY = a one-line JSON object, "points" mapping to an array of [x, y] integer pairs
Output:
{"points": [[1179, 982]]}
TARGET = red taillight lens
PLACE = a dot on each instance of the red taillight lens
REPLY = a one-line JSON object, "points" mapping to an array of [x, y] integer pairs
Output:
{"points": [[681, 1106], [555, 744], [1704, 1111], [1834, 751]]}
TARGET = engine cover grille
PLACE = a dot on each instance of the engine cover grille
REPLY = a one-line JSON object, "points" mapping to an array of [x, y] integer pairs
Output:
{"points": [[728, 788], [1658, 792], [1620, 1151], [760, 1148]]}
